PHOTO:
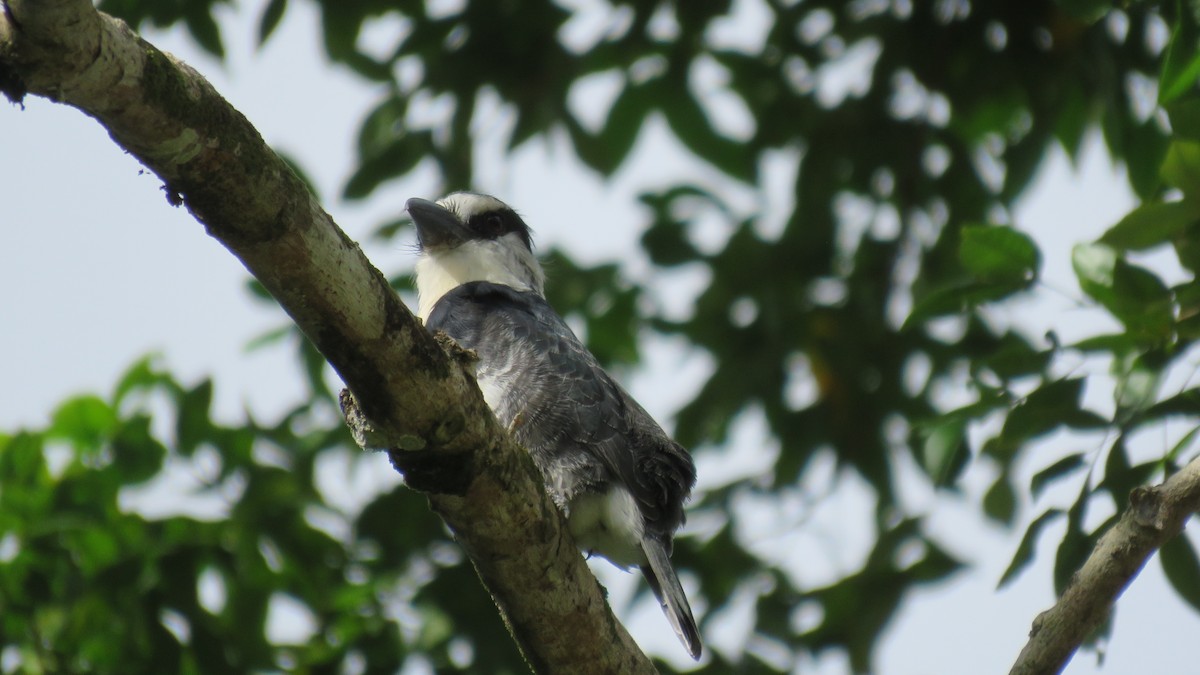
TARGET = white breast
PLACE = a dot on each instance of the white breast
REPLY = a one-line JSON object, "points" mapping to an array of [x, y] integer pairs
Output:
{"points": [[609, 524], [503, 261]]}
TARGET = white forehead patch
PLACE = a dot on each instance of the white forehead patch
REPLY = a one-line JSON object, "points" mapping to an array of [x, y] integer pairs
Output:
{"points": [[466, 205]]}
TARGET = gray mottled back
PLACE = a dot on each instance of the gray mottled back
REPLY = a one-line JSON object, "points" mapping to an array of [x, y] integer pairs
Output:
{"points": [[549, 390]]}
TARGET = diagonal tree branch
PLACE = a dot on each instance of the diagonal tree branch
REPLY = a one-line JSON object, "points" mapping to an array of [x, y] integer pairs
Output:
{"points": [[422, 401], [1155, 515]]}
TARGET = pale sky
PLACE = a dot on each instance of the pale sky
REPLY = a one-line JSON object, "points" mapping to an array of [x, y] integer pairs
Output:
{"points": [[96, 269]]}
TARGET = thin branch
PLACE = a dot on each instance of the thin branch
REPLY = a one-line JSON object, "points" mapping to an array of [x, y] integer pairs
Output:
{"points": [[1155, 515], [212, 160]]}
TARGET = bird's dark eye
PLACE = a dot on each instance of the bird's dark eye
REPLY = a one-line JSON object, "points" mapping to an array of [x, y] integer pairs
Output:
{"points": [[493, 225]]}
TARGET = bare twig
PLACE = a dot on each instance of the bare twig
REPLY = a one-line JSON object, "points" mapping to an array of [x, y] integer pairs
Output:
{"points": [[1155, 514], [213, 161]]}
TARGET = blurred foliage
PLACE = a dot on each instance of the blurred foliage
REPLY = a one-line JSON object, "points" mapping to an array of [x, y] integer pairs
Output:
{"points": [[91, 584], [962, 103]]}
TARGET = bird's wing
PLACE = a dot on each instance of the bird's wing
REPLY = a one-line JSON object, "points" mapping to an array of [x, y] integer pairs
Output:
{"points": [[603, 419], [562, 400]]}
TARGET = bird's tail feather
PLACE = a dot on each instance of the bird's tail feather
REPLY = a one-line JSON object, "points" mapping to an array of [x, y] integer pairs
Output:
{"points": [[665, 585]]}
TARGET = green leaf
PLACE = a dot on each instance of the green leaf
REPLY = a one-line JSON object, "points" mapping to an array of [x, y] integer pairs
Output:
{"points": [[988, 402], [1056, 471], [1185, 119], [387, 146], [1176, 450], [1186, 403], [1181, 168], [1145, 149], [259, 292], [997, 253], [1187, 249], [314, 368], [392, 228], [395, 159], [204, 29], [1087, 11], [1182, 568], [1000, 501], [383, 125], [137, 454], [944, 453], [192, 425], [93, 548], [1136, 296], [271, 337], [377, 523], [691, 126], [1152, 224], [269, 20], [1187, 299], [1015, 357], [1109, 344], [1138, 286], [667, 245], [623, 125], [1024, 554], [1021, 162], [1073, 120], [1120, 478], [957, 298], [141, 376], [666, 240], [1181, 65], [1050, 406], [22, 462], [528, 125], [84, 420], [1075, 546], [1094, 266], [1138, 377], [1143, 303], [605, 150]]}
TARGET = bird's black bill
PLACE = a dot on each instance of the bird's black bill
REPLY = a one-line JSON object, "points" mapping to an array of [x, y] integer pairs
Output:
{"points": [[437, 227]]}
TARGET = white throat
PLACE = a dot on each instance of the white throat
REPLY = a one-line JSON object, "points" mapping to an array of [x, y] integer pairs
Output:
{"points": [[503, 261]]}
